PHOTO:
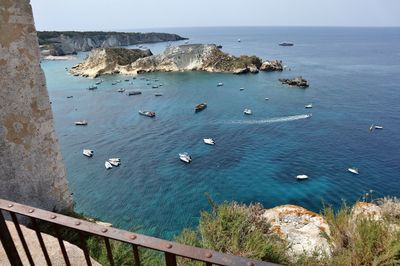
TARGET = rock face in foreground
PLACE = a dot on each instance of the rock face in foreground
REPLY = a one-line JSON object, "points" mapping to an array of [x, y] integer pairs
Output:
{"points": [[58, 43], [302, 228], [200, 57], [297, 81], [108, 61]]}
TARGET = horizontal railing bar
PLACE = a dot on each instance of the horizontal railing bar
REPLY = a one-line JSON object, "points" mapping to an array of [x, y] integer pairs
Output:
{"points": [[177, 249]]}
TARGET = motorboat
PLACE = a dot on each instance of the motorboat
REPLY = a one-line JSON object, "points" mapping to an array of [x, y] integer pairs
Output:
{"points": [[220, 84], [99, 82], [308, 106], [115, 159], [378, 127], [302, 177], [185, 157], [114, 83], [126, 80], [69, 97], [134, 93], [241, 89], [92, 87], [286, 44], [158, 94], [247, 111], [81, 123], [108, 165], [88, 153], [114, 163], [266, 99], [121, 90], [353, 170], [200, 107], [147, 113], [209, 141], [154, 86], [239, 40]]}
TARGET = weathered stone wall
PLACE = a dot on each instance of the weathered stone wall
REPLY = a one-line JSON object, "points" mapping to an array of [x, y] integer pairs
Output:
{"points": [[31, 167]]}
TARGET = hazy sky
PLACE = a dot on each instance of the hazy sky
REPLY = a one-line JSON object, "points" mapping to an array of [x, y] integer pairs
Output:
{"points": [[135, 14]]}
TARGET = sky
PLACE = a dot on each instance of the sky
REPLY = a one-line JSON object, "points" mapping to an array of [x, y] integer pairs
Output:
{"points": [[147, 14]]}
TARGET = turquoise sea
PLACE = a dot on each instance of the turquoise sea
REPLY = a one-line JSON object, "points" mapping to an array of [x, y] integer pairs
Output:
{"points": [[354, 76]]}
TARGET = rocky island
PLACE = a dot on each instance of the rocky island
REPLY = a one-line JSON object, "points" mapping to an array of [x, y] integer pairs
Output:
{"points": [[297, 81], [190, 57], [60, 43]]}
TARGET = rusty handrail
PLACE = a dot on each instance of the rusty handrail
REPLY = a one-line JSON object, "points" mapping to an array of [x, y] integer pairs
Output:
{"points": [[170, 249]]}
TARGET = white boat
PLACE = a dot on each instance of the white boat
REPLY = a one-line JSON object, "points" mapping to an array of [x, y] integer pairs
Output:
{"points": [[185, 157], [239, 40], [114, 163], [308, 106], [247, 111], [353, 170], [302, 177], [220, 84], [92, 87], [378, 127], [87, 152], [266, 99], [209, 141], [372, 127], [108, 165], [81, 123], [121, 90], [115, 159]]}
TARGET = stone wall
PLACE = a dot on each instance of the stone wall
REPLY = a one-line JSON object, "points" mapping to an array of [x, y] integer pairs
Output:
{"points": [[31, 168]]}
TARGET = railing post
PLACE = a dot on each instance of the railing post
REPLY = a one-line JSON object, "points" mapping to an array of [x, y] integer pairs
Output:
{"points": [[170, 259], [8, 243]]}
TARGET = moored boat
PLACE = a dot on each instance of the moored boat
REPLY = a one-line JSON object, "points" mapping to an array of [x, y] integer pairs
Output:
{"points": [[121, 90], [220, 84], [286, 44], [209, 141], [114, 163], [92, 87], [241, 89], [353, 170], [200, 107], [147, 113], [134, 93], [302, 177], [88, 153], [108, 165], [81, 123], [185, 157], [158, 94], [247, 111], [308, 106], [154, 86]]}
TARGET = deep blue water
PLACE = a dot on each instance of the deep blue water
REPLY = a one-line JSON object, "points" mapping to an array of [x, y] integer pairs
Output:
{"points": [[354, 75]]}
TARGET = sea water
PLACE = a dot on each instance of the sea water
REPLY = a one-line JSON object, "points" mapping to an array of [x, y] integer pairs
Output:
{"points": [[354, 76]]}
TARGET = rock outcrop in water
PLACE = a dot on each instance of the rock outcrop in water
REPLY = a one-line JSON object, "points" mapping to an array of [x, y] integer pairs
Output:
{"points": [[58, 43], [297, 81], [108, 61], [200, 57], [273, 65]]}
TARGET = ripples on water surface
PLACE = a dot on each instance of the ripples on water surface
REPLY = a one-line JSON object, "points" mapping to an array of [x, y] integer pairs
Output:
{"points": [[354, 76]]}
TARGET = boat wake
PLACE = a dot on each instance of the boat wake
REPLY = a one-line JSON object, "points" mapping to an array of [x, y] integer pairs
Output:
{"points": [[272, 120]]}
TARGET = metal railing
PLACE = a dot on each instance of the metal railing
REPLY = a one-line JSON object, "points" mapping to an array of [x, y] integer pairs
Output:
{"points": [[171, 250]]}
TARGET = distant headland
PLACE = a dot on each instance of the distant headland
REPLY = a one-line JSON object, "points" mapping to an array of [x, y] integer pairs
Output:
{"points": [[61, 43]]}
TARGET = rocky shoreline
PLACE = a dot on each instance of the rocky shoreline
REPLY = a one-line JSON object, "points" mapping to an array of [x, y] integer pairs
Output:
{"points": [[60, 43], [190, 57]]}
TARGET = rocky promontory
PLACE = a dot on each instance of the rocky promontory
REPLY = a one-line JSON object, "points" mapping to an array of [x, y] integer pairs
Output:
{"points": [[190, 57], [59, 43], [297, 81], [108, 61]]}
